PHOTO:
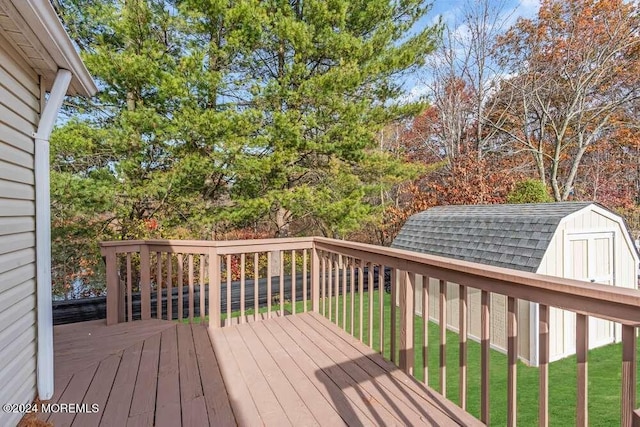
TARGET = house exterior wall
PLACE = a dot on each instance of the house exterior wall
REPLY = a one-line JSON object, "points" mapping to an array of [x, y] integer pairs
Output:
{"points": [[19, 114], [554, 263]]}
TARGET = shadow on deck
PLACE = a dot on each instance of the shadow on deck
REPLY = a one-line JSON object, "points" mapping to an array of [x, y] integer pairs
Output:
{"points": [[292, 370]]}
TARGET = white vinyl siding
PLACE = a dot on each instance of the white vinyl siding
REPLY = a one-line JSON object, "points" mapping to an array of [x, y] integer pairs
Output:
{"points": [[19, 110]]}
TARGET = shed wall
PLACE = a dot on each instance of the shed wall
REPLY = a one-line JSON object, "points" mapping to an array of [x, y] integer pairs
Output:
{"points": [[498, 329], [19, 112], [562, 323]]}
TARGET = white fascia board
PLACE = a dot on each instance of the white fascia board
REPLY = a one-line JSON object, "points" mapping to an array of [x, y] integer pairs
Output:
{"points": [[45, 24]]}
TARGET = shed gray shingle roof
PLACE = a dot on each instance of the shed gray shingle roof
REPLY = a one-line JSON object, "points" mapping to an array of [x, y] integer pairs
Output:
{"points": [[512, 236]]}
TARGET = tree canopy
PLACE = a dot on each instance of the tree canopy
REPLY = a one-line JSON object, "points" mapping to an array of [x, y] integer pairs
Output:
{"points": [[247, 118], [215, 116]]}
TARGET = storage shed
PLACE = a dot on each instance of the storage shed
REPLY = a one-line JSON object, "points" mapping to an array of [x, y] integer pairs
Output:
{"points": [[577, 240], [38, 67]]}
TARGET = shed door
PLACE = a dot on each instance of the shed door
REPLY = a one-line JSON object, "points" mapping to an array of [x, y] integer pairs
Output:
{"points": [[590, 257]]}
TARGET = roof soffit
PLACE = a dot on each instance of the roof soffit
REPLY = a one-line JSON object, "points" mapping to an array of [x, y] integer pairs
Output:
{"points": [[36, 32]]}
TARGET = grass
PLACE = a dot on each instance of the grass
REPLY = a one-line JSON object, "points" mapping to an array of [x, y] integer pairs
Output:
{"points": [[604, 370], [604, 373]]}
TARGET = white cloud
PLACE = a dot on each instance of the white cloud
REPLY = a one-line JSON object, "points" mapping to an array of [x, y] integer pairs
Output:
{"points": [[418, 92], [528, 8]]}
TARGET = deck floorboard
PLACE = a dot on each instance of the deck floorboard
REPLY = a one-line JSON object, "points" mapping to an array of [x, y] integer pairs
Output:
{"points": [[287, 370], [145, 373]]}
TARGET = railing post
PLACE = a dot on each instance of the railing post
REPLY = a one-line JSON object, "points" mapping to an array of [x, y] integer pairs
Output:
{"points": [[214, 288], [512, 361], [113, 285], [145, 282], [543, 365], [485, 346], [442, 319], [315, 279], [462, 345], [582, 354], [407, 312], [629, 363]]}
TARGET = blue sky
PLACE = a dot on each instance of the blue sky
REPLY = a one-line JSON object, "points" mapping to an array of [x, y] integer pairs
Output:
{"points": [[452, 13]]}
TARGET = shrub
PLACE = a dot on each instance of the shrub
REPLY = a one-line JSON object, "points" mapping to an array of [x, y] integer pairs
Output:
{"points": [[529, 191]]}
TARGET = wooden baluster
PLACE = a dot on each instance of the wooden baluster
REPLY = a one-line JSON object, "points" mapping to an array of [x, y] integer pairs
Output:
{"points": [[180, 285], [425, 328], [281, 283], [392, 332], [407, 314], [361, 295], [402, 290], [352, 271], [582, 349], [113, 285], [512, 360], [315, 280], [169, 286], [122, 290], [344, 293], [305, 295], [443, 337], [203, 311], [256, 284], [370, 290], [129, 289], [381, 282], [543, 365], [269, 290], [330, 285], [324, 285], [242, 287], [145, 283], [629, 372], [462, 352], [485, 348], [214, 289], [228, 290], [159, 284], [336, 279], [293, 282], [191, 290]]}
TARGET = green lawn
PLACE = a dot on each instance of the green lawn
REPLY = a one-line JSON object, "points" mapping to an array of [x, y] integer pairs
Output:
{"points": [[604, 374], [604, 371]]}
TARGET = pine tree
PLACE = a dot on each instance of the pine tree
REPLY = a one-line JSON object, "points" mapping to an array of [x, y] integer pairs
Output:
{"points": [[324, 77], [217, 115]]}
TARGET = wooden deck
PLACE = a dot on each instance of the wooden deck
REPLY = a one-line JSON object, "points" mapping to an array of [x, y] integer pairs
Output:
{"points": [[294, 370], [302, 370], [144, 373]]}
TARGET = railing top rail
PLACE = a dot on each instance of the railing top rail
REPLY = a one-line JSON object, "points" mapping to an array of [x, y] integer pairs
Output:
{"points": [[205, 243], [615, 303]]}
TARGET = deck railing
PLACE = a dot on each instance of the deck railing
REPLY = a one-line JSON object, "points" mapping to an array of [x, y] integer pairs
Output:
{"points": [[334, 277], [158, 269]]}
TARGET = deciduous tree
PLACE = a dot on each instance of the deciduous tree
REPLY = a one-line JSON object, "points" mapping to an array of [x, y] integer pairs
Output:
{"points": [[574, 70]]}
